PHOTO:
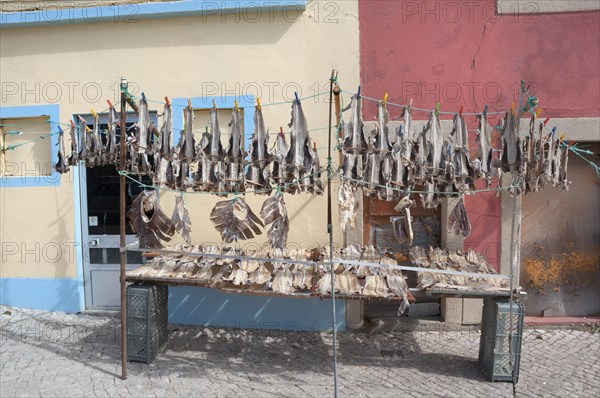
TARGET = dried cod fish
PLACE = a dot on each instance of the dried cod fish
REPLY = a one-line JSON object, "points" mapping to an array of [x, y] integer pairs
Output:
{"points": [[258, 175], [403, 226], [485, 147], [235, 154], [235, 220], [148, 220], [181, 219], [355, 143], [61, 165], [143, 138], [274, 212], [348, 205], [111, 150], [299, 158], [74, 157], [280, 169], [458, 220], [315, 184], [283, 281]]}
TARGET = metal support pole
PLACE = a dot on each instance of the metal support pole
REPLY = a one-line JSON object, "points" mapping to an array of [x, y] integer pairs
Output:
{"points": [[122, 210], [330, 231]]}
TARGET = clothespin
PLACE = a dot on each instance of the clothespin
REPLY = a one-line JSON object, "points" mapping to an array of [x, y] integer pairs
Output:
{"points": [[437, 109], [512, 108], [72, 124], [110, 105], [546, 121], [358, 93], [315, 146], [297, 99], [94, 113], [190, 103], [214, 104], [385, 97], [485, 109], [258, 106], [235, 105], [143, 96], [281, 130], [460, 112], [553, 131], [60, 130], [537, 113], [167, 101]]}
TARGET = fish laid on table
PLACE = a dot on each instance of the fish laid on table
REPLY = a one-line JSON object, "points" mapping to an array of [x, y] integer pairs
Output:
{"points": [[148, 220], [61, 164], [181, 219], [235, 154], [258, 174], [235, 220], [299, 159], [274, 212], [458, 220], [283, 281], [302, 276]]}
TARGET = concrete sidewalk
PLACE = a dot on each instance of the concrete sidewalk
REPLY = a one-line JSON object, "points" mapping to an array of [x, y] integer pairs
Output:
{"points": [[56, 354]]}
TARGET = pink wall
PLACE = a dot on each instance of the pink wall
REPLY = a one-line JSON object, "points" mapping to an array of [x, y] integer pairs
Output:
{"points": [[462, 53]]}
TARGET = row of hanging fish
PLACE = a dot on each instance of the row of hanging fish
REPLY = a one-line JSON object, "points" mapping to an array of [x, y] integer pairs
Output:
{"points": [[468, 262], [203, 164], [283, 271]]}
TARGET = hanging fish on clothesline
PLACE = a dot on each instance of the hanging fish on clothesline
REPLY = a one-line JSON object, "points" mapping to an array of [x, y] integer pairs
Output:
{"points": [[74, 157], [86, 144], [315, 185], [185, 151], [348, 205], [142, 146], [483, 161], [403, 225], [181, 219], [298, 159], [111, 150], [61, 164], [274, 213], [163, 174], [235, 153], [458, 220], [258, 175], [149, 222], [463, 172], [235, 220], [354, 144], [280, 168]]}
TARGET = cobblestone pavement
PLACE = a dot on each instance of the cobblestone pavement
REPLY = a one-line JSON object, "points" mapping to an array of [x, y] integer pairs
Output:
{"points": [[56, 354]]}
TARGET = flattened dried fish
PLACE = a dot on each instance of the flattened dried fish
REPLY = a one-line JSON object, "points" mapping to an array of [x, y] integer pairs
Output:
{"points": [[403, 226], [235, 220], [283, 281], [61, 165], [348, 205], [315, 184], [458, 220], [485, 146], [143, 138], [274, 212], [280, 169], [181, 219], [74, 157], [111, 150], [148, 220], [299, 159], [258, 174], [235, 154]]}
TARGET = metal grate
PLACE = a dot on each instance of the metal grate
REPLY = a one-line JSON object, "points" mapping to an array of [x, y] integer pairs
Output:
{"points": [[147, 315]]}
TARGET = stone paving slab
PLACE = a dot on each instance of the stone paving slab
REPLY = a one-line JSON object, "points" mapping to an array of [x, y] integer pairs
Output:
{"points": [[64, 355]]}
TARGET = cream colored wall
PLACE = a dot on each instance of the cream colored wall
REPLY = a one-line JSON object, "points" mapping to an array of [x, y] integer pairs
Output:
{"points": [[174, 57]]}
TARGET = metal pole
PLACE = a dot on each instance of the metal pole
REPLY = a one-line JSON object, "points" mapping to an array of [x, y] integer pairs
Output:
{"points": [[330, 231], [122, 210]]}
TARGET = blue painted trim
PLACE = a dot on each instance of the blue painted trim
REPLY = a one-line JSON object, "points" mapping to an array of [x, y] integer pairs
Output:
{"points": [[48, 294], [245, 102], [53, 114], [131, 13], [79, 233], [211, 307]]}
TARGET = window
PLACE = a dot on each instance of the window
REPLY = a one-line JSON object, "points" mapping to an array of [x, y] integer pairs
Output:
{"points": [[29, 146], [20, 13]]}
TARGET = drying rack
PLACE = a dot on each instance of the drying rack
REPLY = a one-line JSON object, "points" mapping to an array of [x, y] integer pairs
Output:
{"points": [[127, 100]]}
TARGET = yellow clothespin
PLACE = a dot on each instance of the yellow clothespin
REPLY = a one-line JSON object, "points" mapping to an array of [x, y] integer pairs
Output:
{"points": [[562, 137], [258, 106], [537, 113], [437, 109], [189, 103], [214, 104], [512, 108], [235, 105], [94, 113], [385, 97]]}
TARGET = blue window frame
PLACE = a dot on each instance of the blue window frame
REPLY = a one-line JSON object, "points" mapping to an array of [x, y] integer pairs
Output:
{"points": [[245, 102], [133, 12], [52, 112]]}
